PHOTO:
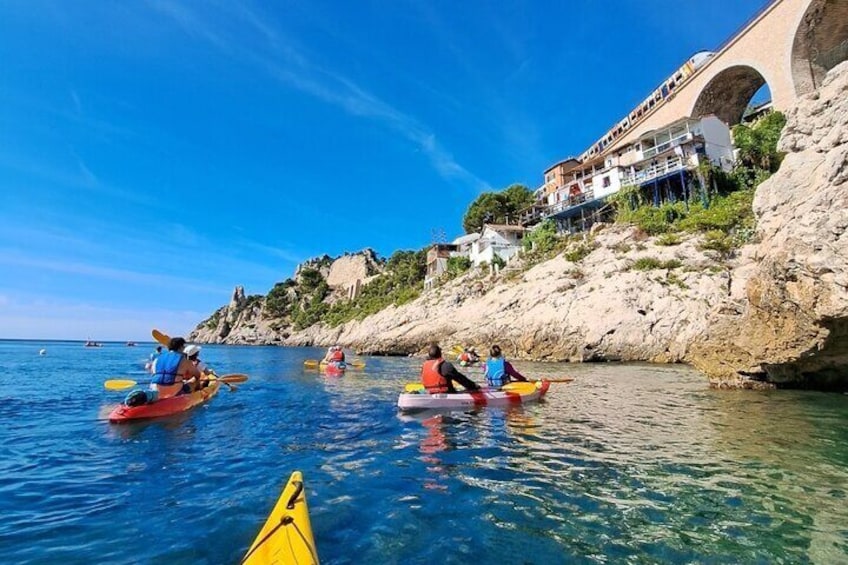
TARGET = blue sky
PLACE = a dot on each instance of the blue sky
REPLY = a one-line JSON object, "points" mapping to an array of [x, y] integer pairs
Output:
{"points": [[154, 154]]}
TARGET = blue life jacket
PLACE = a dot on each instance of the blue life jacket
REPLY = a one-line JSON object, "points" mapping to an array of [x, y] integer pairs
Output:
{"points": [[496, 372], [167, 366]]}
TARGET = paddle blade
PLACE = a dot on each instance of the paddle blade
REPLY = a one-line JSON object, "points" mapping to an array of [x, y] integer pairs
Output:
{"points": [[413, 387], [520, 387], [312, 363], [160, 337], [233, 378], [357, 364], [119, 384]]}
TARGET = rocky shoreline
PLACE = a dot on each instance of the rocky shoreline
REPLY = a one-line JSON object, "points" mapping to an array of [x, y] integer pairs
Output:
{"points": [[774, 314]]}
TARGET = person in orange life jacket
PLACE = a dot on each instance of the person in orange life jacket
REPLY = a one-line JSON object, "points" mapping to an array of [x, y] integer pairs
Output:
{"points": [[438, 375], [468, 357], [193, 354], [172, 371], [334, 355], [498, 370]]}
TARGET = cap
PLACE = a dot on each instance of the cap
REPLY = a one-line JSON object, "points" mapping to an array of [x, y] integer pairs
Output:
{"points": [[191, 350]]}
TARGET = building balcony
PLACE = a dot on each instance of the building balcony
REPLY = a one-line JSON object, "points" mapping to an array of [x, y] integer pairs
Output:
{"points": [[665, 146], [654, 171], [570, 202]]}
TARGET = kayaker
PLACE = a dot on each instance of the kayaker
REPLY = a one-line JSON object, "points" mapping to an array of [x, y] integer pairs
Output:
{"points": [[334, 355], [438, 375], [172, 371], [468, 357], [498, 370], [193, 353], [151, 361]]}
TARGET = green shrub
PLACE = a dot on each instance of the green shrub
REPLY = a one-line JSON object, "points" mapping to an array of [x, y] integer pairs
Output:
{"points": [[651, 263], [543, 238], [668, 239], [579, 252], [717, 240]]}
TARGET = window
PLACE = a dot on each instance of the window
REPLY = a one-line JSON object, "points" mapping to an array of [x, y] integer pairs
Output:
{"points": [[606, 181]]}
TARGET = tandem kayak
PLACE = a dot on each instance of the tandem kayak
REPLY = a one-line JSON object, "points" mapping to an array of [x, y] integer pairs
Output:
{"points": [[164, 407], [334, 368], [286, 536], [517, 393]]}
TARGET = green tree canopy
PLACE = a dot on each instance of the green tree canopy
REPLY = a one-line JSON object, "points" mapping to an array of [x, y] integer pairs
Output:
{"points": [[495, 207], [757, 143]]}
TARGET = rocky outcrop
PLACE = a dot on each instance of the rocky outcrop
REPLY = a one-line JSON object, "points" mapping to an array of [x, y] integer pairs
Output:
{"points": [[792, 326], [245, 320]]}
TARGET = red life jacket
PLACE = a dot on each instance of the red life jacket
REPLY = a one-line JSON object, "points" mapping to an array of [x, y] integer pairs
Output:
{"points": [[432, 380], [337, 356], [465, 357]]}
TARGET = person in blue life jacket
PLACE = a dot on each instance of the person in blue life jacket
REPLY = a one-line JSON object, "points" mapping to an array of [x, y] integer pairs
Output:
{"points": [[173, 373], [438, 374], [498, 370]]}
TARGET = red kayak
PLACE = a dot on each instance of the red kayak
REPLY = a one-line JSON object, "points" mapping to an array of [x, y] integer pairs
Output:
{"points": [[335, 368], [165, 407]]}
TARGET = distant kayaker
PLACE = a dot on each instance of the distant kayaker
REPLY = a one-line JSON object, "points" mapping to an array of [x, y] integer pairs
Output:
{"points": [[438, 375], [468, 357], [498, 370], [334, 355], [172, 371]]}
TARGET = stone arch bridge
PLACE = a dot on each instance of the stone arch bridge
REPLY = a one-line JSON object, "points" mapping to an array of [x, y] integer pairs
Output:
{"points": [[789, 45]]}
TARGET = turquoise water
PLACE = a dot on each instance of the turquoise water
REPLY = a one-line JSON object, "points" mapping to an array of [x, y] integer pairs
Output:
{"points": [[628, 464]]}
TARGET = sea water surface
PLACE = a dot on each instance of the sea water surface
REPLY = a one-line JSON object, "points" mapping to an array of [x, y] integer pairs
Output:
{"points": [[627, 464]]}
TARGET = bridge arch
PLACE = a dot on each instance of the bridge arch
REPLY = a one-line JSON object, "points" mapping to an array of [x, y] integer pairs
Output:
{"points": [[820, 43], [728, 93]]}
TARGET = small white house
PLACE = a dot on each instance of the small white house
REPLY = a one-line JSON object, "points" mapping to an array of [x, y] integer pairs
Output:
{"points": [[503, 240]]}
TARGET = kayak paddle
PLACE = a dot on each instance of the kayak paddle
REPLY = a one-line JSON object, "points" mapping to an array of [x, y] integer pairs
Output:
{"points": [[121, 384], [160, 337]]}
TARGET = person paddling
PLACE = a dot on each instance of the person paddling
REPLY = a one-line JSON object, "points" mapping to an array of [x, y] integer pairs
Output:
{"points": [[193, 353], [334, 355], [498, 370], [468, 357], [172, 371], [438, 375]]}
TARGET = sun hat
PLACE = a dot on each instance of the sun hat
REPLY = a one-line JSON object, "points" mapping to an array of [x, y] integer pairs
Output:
{"points": [[191, 350]]}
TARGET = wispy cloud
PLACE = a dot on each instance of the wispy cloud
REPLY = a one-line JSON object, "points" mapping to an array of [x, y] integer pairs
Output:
{"points": [[284, 61], [14, 258]]}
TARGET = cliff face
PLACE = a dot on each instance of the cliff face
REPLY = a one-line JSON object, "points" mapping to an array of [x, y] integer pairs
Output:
{"points": [[600, 307], [775, 314], [792, 326]]}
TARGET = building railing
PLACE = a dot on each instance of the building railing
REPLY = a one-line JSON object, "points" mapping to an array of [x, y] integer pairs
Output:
{"points": [[665, 146], [571, 202], [653, 171]]}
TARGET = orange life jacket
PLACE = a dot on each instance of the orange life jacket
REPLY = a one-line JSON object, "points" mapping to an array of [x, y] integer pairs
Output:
{"points": [[432, 380], [337, 356], [465, 356]]}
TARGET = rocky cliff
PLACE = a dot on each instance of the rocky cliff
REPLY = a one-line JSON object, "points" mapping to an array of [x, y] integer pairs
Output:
{"points": [[791, 325], [773, 313]]}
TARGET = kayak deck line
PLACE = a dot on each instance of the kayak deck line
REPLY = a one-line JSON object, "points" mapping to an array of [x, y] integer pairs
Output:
{"points": [[286, 537]]}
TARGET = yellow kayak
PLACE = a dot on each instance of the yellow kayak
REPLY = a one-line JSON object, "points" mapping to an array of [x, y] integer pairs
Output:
{"points": [[286, 536]]}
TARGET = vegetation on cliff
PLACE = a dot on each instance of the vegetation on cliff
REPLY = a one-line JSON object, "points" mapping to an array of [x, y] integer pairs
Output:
{"points": [[721, 206], [497, 207]]}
